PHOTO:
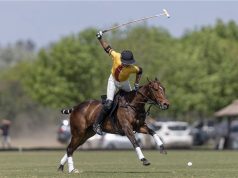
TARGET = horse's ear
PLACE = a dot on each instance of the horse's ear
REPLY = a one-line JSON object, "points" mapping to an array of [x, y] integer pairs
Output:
{"points": [[148, 79]]}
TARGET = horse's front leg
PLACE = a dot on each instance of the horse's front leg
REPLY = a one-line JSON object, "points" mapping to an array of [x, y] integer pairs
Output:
{"points": [[146, 130], [126, 127]]}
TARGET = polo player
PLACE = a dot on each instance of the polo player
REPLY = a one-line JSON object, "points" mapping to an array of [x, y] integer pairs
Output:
{"points": [[123, 64]]}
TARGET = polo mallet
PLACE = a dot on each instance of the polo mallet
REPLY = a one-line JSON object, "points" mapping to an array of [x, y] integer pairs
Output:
{"points": [[165, 13]]}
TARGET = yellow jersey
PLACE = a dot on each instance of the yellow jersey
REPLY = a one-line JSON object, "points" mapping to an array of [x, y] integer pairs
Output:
{"points": [[121, 73]]}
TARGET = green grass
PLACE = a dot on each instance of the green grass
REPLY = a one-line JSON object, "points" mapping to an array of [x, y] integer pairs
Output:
{"points": [[121, 164]]}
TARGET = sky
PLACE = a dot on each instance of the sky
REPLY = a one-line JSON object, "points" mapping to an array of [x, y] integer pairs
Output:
{"points": [[45, 22]]}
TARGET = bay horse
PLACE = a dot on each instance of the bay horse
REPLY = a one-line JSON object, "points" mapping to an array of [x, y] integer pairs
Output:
{"points": [[130, 117]]}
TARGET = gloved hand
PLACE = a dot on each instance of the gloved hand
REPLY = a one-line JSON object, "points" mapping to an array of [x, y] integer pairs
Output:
{"points": [[136, 85], [99, 35]]}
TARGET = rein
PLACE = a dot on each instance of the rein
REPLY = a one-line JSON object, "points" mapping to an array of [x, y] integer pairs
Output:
{"points": [[149, 101]]}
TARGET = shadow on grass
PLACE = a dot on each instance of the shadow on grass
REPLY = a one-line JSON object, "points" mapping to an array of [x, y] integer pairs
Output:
{"points": [[132, 172]]}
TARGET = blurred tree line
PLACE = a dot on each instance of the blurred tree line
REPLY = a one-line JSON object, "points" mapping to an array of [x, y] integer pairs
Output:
{"points": [[15, 102], [198, 70]]}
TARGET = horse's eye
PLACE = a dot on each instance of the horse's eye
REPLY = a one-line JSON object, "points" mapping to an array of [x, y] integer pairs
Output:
{"points": [[162, 88]]}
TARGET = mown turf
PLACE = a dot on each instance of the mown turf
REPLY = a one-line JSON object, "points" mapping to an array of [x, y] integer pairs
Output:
{"points": [[121, 164]]}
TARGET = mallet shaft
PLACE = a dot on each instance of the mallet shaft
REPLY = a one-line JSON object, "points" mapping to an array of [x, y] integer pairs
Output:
{"points": [[134, 21]]}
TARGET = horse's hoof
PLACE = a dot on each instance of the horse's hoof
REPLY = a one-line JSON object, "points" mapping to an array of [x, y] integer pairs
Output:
{"points": [[75, 171], [61, 168], [162, 150], [145, 162]]}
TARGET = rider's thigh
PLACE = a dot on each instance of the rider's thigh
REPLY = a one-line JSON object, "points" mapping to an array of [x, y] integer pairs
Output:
{"points": [[111, 88]]}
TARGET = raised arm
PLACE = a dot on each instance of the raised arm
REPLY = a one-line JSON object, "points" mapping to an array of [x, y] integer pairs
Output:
{"points": [[103, 43]]}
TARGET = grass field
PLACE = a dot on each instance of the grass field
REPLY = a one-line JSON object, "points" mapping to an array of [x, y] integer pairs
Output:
{"points": [[121, 164]]}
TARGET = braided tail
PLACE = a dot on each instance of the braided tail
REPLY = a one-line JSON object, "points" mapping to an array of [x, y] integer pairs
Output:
{"points": [[66, 111]]}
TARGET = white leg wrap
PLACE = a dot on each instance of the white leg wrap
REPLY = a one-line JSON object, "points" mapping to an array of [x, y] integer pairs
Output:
{"points": [[139, 153], [63, 160], [70, 164], [157, 140]]}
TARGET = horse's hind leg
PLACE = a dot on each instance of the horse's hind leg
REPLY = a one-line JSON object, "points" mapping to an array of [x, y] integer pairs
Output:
{"points": [[76, 141], [62, 162]]}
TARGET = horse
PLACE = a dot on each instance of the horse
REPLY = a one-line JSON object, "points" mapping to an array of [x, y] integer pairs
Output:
{"points": [[130, 115]]}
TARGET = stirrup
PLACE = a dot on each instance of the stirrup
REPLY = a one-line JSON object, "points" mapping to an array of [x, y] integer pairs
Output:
{"points": [[97, 129]]}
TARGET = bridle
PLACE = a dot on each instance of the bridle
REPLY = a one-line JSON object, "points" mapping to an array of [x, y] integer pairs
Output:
{"points": [[148, 100]]}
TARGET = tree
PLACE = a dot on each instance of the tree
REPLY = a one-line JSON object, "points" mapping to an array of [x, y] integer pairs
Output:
{"points": [[198, 70], [71, 71]]}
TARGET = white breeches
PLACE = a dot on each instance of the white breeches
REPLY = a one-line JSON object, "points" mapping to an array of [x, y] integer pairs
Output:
{"points": [[113, 85]]}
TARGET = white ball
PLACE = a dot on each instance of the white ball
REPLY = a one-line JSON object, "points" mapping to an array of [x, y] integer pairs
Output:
{"points": [[190, 163]]}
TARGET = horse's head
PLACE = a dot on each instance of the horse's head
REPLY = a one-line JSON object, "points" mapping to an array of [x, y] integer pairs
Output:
{"points": [[156, 93]]}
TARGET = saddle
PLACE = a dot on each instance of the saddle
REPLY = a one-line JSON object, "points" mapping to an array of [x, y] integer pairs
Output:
{"points": [[112, 115]]}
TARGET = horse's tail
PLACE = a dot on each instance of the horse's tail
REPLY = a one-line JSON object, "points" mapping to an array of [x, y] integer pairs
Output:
{"points": [[67, 111]]}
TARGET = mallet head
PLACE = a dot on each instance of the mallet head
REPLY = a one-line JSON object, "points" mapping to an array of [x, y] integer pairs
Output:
{"points": [[166, 13]]}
